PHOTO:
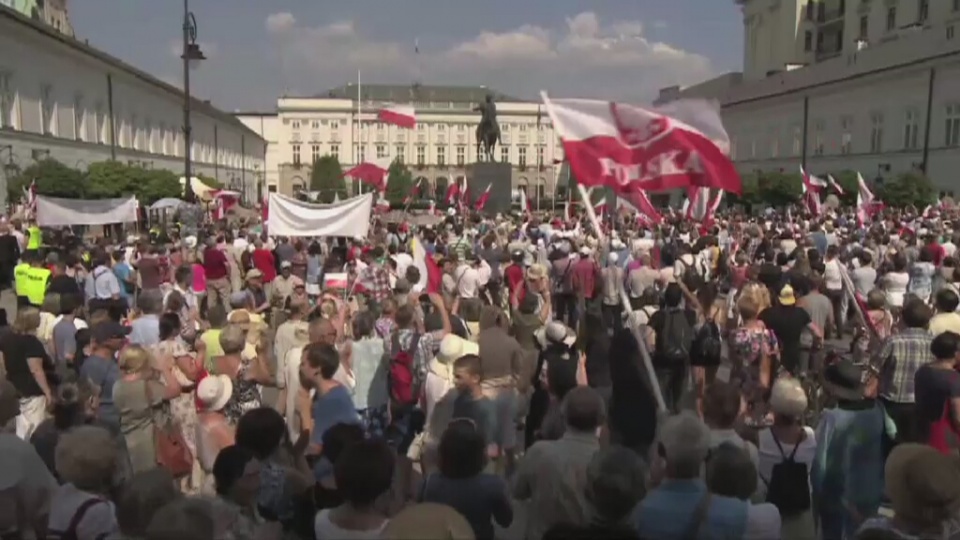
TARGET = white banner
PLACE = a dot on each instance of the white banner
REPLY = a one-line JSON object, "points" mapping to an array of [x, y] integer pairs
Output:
{"points": [[290, 217], [54, 212]]}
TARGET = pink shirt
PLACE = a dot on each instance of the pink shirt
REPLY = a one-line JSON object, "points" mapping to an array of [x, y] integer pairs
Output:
{"points": [[199, 278]]}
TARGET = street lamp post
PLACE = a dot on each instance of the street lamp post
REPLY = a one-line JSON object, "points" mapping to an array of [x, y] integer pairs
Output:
{"points": [[191, 56]]}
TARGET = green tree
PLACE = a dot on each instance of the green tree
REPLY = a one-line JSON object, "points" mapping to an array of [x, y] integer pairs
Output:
{"points": [[399, 182], [906, 189], [110, 179], [750, 191], [210, 181], [158, 184], [327, 178], [53, 179], [779, 189]]}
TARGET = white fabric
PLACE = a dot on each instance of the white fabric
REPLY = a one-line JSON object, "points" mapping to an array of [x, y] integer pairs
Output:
{"points": [[33, 411], [54, 212], [168, 202], [832, 276], [290, 217], [419, 261]]}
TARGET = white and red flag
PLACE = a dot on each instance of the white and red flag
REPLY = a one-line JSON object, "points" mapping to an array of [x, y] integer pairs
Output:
{"points": [[525, 201], [811, 187], [398, 115], [638, 201], [414, 192], [833, 183], [224, 200], [679, 145], [864, 190], [699, 203], [453, 193], [483, 198], [373, 173]]}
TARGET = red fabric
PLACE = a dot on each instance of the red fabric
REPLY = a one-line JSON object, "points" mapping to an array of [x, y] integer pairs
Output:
{"points": [[514, 276], [434, 275], [215, 264], [938, 252], [585, 277], [941, 430], [263, 261]]}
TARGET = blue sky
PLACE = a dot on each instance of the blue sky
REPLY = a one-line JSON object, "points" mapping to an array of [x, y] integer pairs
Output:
{"points": [[260, 49]]}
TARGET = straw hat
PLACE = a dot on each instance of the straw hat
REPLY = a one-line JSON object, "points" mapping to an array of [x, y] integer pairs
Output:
{"points": [[428, 521], [214, 392], [921, 482], [536, 271], [453, 347], [555, 333]]}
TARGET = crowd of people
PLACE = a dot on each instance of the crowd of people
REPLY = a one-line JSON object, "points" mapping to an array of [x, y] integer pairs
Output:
{"points": [[217, 385]]}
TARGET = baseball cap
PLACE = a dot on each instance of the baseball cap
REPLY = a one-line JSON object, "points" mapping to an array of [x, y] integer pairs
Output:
{"points": [[286, 264], [107, 330]]}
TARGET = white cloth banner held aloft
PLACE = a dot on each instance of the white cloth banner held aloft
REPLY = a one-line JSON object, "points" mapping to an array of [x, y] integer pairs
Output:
{"points": [[55, 212], [290, 217]]}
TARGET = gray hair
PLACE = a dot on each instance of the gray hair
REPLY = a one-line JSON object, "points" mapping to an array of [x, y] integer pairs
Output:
{"points": [[616, 482], [731, 472], [684, 445], [151, 301], [86, 457], [233, 339], [190, 518]]}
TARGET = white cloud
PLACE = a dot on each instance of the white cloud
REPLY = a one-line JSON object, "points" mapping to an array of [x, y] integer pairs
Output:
{"points": [[586, 57]]}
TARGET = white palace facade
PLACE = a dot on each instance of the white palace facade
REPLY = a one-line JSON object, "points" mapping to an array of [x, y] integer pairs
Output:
{"points": [[870, 85], [437, 151], [63, 99]]}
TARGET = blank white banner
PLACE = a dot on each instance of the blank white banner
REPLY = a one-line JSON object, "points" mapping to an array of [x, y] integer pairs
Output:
{"points": [[55, 212], [290, 217]]}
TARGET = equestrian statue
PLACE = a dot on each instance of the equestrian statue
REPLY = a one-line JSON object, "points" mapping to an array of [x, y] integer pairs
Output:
{"points": [[488, 131]]}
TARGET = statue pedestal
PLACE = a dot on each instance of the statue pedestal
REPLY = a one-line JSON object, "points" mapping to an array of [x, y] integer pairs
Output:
{"points": [[496, 175]]}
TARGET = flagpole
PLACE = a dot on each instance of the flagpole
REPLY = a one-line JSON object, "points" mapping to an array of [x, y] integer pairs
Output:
{"points": [[625, 301], [359, 134]]}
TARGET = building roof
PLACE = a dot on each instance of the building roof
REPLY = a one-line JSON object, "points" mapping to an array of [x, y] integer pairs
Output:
{"points": [[402, 93], [82, 47]]}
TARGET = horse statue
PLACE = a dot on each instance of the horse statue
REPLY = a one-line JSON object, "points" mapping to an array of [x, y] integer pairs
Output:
{"points": [[488, 131]]}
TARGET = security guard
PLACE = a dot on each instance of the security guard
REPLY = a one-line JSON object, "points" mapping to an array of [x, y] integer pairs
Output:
{"points": [[37, 279], [20, 282], [34, 237]]}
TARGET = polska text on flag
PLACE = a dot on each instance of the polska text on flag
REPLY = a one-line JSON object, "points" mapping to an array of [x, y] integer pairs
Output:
{"points": [[677, 146]]}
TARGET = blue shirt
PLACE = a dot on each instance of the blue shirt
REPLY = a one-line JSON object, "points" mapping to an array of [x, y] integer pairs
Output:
{"points": [[145, 331], [122, 270], [667, 512], [334, 407], [104, 373]]}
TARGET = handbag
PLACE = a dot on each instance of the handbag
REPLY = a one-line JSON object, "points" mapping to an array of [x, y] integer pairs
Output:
{"points": [[171, 449]]}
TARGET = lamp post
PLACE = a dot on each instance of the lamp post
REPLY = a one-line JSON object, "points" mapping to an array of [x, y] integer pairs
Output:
{"points": [[191, 56]]}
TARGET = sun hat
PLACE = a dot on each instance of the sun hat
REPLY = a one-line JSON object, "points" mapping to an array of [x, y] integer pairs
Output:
{"points": [[787, 298], [536, 271], [254, 274], [214, 392], [844, 380], [920, 480], [453, 347], [555, 333]]}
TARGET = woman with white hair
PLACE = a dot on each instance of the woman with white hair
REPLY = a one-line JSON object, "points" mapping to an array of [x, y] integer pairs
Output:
{"points": [[787, 450], [86, 459]]}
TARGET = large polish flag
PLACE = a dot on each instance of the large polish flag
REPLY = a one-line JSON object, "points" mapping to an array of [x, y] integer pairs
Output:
{"points": [[399, 115], [679, 145], [372, 173]]}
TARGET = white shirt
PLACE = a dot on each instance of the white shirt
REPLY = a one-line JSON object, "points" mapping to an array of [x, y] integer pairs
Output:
{"points": [[763, 522], [949, 248], [240, 244], [288, 376], [832, 277], [467, 280], [403, 260]]}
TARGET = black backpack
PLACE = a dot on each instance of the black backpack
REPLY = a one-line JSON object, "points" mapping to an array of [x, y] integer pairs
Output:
{"points": [[675, 337], [789, 485], [692, 276], [707, 345]]}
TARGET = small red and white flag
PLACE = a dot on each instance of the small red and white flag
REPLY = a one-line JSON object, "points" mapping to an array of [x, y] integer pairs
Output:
{"points": [[224, 200], [483, 198], [638, 201], [525, 202], [382, 206], [453, 193], [398, 115], [30, 196], [336, 280], [414, 192], [811, 187], [864, 190], [431, 275], [699, 203], [373, 173], [680, 145], [833, 183]]}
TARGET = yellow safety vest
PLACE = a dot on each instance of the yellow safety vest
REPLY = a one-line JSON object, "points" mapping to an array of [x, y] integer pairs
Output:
{"points": [[36, 238], [20, 278], [36, 285]]}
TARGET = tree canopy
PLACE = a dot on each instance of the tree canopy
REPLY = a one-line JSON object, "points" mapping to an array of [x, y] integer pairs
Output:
{"points": [[912, 188], [327, 178], [53, 179], [399, 182]]}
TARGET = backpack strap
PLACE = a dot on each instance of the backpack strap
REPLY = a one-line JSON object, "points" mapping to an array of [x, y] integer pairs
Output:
{"points": [[414, 344], [78, 515]]}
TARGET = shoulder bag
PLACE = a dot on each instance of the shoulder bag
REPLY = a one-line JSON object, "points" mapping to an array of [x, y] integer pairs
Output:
{"points": [[171, 448]]}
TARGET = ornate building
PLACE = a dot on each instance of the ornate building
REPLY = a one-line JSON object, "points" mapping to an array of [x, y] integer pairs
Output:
{"points": [[305, 128]]}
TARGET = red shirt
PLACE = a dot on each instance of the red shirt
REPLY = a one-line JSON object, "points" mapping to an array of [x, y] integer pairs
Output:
{"points": [[585, 277], [215, 264], [514, 275], [938, 252], [264, 262]]}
